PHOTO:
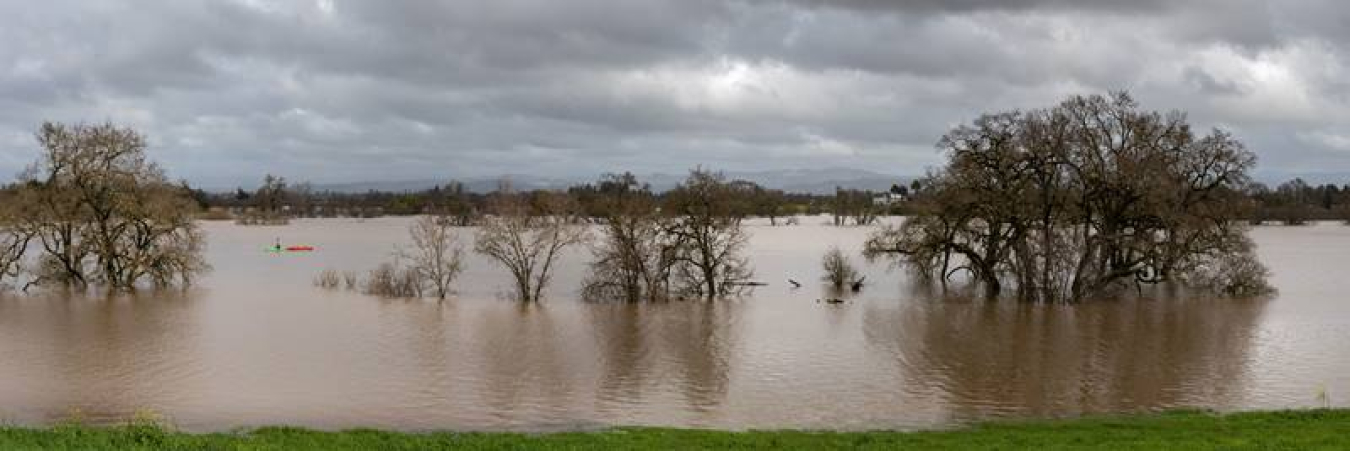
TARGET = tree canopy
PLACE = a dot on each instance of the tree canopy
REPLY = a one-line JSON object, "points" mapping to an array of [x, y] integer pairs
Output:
{"points": [[100, 213], [1071, 201]]}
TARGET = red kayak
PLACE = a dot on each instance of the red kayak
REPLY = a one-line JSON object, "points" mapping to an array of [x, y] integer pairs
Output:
{"points": [[299, 248]]}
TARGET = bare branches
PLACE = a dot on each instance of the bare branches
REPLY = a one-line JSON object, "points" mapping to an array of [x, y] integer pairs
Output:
{"points": [[436, 254], [394, 280], [635, 254], [1067, 202], [690, 246], [706, 221], [527, 234], [103, 214], [14, 238], [428, 267]]}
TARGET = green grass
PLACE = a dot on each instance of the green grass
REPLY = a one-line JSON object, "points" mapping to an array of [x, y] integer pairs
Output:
{"points": [[1303, 429]]}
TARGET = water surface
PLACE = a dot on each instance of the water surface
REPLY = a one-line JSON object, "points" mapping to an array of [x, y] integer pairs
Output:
{"points": [[254, 343]]}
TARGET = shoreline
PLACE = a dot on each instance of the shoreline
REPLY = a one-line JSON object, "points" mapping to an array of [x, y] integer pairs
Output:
{"points": [[1291, 429]]}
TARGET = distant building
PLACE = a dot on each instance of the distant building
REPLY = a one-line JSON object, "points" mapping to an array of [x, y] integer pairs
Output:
{"points": [[887, 199]]}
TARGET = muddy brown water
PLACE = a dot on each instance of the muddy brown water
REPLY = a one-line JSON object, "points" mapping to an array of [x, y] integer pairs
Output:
{"points": [[255, 343]]}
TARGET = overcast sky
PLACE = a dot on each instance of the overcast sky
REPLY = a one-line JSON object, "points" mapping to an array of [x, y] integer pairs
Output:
{"points": [[332, 90]]}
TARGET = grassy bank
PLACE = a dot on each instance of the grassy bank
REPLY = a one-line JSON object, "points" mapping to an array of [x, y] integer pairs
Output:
{"points": [[1307, 429]]}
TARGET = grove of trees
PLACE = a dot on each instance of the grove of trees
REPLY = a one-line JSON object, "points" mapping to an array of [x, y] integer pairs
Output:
{"points": [[851, 206], [1056, 204], [1296, 202], [635, 254], [1091, 195], [97, 212], [688, 244]]}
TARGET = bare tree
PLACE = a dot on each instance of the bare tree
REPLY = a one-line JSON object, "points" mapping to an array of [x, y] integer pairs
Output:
{"points": [[436, 254], [706, 220], [429, 266], [527, 234], [636, 252], [103, 214]]}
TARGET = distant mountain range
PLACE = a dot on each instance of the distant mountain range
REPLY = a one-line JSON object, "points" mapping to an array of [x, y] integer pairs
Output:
{"points": [[812, 181]]}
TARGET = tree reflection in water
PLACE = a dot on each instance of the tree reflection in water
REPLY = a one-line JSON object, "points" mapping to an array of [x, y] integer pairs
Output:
{"points": [[689, 345], [995, 358]]}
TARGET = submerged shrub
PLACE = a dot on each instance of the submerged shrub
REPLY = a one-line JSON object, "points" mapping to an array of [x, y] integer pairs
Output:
{"points": [[328, 279], [1236, 273], [839, 271], [394, 281]]}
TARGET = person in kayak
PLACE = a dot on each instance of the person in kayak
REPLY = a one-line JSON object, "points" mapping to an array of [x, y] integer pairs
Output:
{"points": [[277, 247]]}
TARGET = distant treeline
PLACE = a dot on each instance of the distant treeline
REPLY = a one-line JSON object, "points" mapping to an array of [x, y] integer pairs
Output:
{"points": [[1296, 202], [275, 199], [1293, 202]]}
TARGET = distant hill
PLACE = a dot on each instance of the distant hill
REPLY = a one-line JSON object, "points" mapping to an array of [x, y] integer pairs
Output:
{"points": [[813, 181]]}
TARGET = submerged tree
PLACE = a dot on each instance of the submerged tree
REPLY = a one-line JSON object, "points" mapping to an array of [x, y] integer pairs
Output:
{"points": [[687, 244], [527, 234], [436, 255], [14, 238], [101, 213], [635, 253], [1081, 198], [706, 214]]}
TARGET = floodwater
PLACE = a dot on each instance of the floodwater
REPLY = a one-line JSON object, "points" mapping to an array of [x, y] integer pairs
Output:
{"points": [[255, 343]]}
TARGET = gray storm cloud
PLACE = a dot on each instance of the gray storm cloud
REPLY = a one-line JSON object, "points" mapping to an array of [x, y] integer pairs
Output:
{"points": [[337, 91]]}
